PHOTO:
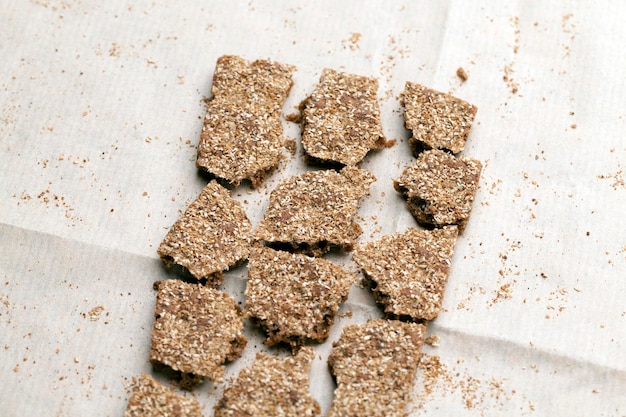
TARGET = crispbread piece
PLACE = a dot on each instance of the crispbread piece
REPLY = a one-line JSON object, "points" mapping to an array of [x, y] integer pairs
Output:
{"points": [[242, 134], [409, 270], [212, 235], [375, 366], [271, 387], [196, 330], [437, 120], [341, 119], [152, 399], [294, 297], [313, 211], [440, 188]]}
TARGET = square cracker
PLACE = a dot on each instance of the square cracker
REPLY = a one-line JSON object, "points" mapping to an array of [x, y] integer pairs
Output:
{"points": [[150, 398], [409, 270], [374, 365], [437, 120], [212, 235], [314, 211], [242, 135], [196, 330], [440, 188], [341, 119], [271, 387], [294, 297]]}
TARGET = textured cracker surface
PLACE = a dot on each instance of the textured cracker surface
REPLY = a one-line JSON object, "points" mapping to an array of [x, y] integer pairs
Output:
{"points": [[409, 270], [437, 120], [271, 387], [440, 188], [152, 399], [341, 119], [212, 235], [375, 366], [315, 210], [294, 297], [242, 136], [196, 329]]}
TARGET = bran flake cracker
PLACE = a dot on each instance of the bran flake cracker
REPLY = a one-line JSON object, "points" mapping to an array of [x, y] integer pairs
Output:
{"points": [[271, 387], [341, 119], [242, 135], [315, 211], [196, 330], [293, 297], [150, 398], [375, 365], [408, 271], [440, 188], [212, 235], [437, 120]]}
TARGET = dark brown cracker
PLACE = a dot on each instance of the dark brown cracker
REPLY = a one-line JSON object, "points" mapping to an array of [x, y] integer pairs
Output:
{"points": [[409, 270], [242, 136], [294, 297], [313, 211], [212, 235], [196, 330], [152, 399], [375, 366], [440, 188], [437, 120], [341, 119], [271, 387]]}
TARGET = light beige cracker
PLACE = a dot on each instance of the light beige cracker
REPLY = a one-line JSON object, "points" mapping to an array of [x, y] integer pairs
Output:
{"points": [[150, 398]]}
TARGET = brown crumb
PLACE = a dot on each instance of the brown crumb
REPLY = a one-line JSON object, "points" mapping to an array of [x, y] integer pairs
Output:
{"points": [[152, 399], [242, 133], [462, 74], [271, 387]]}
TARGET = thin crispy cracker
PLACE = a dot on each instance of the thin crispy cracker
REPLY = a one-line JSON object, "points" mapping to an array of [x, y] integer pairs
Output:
{"points": [[242, 136], [150, 398], [314, 211], [440, 188], [271, 387], [212, 235], [341, 119], [437, 120], [294, 297], [375, 365], [196, 330], [409, 270]]}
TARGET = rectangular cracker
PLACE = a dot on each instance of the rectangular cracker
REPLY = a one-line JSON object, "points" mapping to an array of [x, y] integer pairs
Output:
{"points": [[409, 271], [315, 211], [374, 365], [242, 135], [294, 297], [196, 330], [271, 387], [212, 235], [440, 188], [341, 119], [437, 120], [150, 398]]}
